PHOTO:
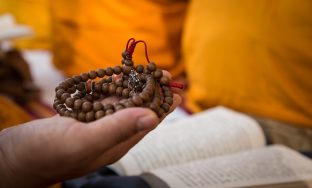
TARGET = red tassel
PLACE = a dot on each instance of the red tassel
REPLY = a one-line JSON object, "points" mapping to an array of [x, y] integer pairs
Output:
{"points": [[176, 85]]}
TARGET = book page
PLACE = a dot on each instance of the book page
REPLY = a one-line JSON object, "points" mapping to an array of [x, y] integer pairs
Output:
{"points": [[211, 133], [271, 165]]}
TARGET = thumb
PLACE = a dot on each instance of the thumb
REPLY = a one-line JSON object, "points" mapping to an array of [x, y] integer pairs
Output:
{"points": [[124, 124]]}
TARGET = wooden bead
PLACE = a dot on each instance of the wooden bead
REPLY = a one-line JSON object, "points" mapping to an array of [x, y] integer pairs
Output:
{"points": [[88, 97], [84, 77], [112, 89], [151, 67], [59, 107], [59, 93], [129, 104], [125, 93], [58, 88], [119, 82], [109, 111], [140, 69], [119, 91], [124, 54], [144, 96], [117, 70], [126, 70], [160, 112], [149, 84], [109, 80], [70, 82], [165, 88], [109, 71], [168, 94], [99, 114], [57, 100], [154, 107], [62, 111], [95, 95], [92, 74], [97, 87], [97, 106], [105, 87], [142, 77], [132, 93], [129, 62], [125, 84], [77, 104], [72, 90], [81, 116], [157, 100], [158, 74], [169, 100], [164, 80], [108, 106], [70, 102], [118, 107], [102, 81], [90, 116], [100, 73], [149, 91], [146, 71], [65, 96], [67, 113], [165, 106], [137, 100], [86, 106], [64, 85], [82, 93], [81, 86], [74, 115], [77, 79], [56, 103]]}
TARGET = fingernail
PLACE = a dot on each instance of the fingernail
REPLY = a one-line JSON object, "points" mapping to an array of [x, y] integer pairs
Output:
{"points": [[147, 122]]}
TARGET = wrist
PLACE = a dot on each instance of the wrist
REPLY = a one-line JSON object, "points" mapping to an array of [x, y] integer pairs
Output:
{"points": [[14, 171]]}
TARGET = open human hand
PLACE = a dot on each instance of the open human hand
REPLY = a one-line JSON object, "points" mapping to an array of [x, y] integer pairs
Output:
{"points": [[46, 151]]}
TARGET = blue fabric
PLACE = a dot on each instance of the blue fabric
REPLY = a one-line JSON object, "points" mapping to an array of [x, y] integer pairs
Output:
{"points": [[106, 178]]}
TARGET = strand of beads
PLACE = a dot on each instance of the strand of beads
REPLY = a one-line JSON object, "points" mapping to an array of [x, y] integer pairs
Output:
{"points": [[79, 97]]}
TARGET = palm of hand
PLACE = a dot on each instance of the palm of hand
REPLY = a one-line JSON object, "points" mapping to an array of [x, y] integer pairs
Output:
{"points": [[57, 148]]}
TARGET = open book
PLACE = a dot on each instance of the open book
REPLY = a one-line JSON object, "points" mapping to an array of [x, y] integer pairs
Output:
{"points": [[215, 148]]}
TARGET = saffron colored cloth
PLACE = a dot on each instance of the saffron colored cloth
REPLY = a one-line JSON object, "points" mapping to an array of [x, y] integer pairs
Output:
{"points": [[34, 13], [92, 34], [11, 114], [252, 56]]}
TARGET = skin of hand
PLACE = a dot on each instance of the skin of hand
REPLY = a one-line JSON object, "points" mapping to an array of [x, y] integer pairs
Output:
{"points": [[43, 152]]}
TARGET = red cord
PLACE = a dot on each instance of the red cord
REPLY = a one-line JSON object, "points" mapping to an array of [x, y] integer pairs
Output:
{"points": [[131, 39], [130, 49], [176, 85]]}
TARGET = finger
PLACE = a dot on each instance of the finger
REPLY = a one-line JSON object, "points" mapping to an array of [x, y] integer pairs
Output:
{"points": [[166, 73], [122, 125], [115, 153], [122, 148]]}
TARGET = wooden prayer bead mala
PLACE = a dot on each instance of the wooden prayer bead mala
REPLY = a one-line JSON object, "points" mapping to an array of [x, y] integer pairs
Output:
{"points": [[135, 86]]}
